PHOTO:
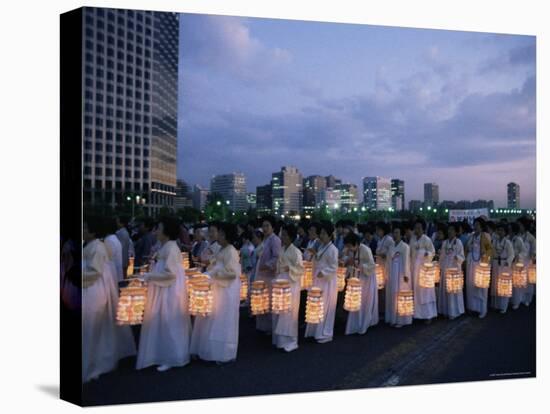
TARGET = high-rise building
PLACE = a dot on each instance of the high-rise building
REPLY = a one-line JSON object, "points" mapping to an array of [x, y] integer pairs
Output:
{"points": [[398, 194], [313, 187], [263, 199], [431, 194], [332, 181], [330, 197], [287, 191], [415, 205], [377, 193], [348, 196], [130, 90], [232, 188], [183, 196], [513, 196], [200, 197]]}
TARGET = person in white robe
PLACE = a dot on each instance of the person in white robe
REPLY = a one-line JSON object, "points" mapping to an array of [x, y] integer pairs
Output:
{"points": [[359, 257], [422, 251], [313, 241], [99, 349], [502, 262], [385, 244], [125, 241], [289, 267], [216, 336], [521, 255], [325, 264], [166, 328], [478, 248], [399, 279], [531, 247], [452, 256], [209, 253]]}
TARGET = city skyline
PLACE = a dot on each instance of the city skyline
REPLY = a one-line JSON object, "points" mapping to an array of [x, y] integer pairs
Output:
{"points": [[438, 106]]}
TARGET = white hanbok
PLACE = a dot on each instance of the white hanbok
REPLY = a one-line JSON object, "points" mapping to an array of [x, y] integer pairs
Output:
{"points": [[452, 255], [99, 349], [476, 298], [285, 325], [325, 261], [166, 328], [531, 247], [521, 255], [422, 251], [216, 336], [502, 262], [400, 268], [360, 321]]}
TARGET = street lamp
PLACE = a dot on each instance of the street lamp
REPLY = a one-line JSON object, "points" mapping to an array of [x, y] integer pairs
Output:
{"points": [[219, 203]]}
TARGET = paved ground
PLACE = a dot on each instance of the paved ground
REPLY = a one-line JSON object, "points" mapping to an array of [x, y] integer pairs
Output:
{"points": [[466, 349]]}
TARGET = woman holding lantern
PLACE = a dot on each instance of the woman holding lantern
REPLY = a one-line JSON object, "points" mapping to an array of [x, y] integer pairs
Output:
{"points": [[216, 336], [451, 304], [325, 263], [521, 258], [385, 244], [398, 280], [166, 328], [361, 259], [289, 267], [478, 250], [531, 247], [422, 252], [502, 263], [213, 246]]}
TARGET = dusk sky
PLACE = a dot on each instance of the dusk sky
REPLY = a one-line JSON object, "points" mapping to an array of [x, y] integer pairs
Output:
{"points": [[455, 108]]}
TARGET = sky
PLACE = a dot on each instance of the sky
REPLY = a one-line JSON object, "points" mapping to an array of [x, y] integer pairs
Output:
{"points": [[455, 108]]}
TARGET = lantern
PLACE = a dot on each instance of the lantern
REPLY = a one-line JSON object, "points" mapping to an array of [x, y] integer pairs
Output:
{"points": [[352, 300], [482, 276], [315, 308], [259, 298], [131, 303], [437, 272], [130, 269], [244, 287], [341, 278], [454, 280], [380, 278], [307, 276], [504, 285], [532, 273], [201, 299], [281, 296], [185, 260], [519, 276], [426, 277], [405, 303]]}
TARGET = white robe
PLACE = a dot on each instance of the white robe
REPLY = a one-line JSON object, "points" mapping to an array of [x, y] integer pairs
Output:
{"points": [[99, 349], [505, 251], [521, 255], [476, 298], [422, 251], [531, 247], [452, 255], [383, 248], [166, 328], [399, 269], [360, 321], [325, 261], [216, 336], [285, 325]]}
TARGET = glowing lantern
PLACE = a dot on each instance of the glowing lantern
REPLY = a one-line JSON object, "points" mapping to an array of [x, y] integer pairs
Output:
{"points": [[281, 296], [504, 285], [532, 273], [244, 287], [307, 276], [131, 303], [341, 278], [405, 303], [352, 300], [259, 298], [185, 260], [454, 280], [426, 277], [519, 276], [315, 308], [437, 272], [130, 269], [380, 278], [201, 299], [482, 276]]}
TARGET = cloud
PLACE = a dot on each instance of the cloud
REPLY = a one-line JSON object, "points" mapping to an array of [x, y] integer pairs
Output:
{"points": [[524, 55]]}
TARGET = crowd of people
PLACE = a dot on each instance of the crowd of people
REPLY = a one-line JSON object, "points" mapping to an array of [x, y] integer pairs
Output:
{"points": [[266, 250]]}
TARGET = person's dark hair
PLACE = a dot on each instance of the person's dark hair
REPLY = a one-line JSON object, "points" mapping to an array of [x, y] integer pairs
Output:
{"points": [[491, 225], [259, 234], [95, 225], [351, 238], [246, 235], [291, 230], [340, 223], [148, 223], [109, 225], [514, 227], [328, 227], [270, 219], [230, 232], [422, 222], [385, 227], [123, 219], [501, 225], [170, 226], [398, 226], [316, 225], [215, 224], [442, 227], [454, 226]]}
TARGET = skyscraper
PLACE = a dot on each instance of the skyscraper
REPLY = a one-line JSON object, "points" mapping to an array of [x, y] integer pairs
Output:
{"points": [[348, 196], [431, 194], [313, 187], [130, 84], [200, 196], [377, 193], [232, 188], [263, 199], [398, 194], [287, 191], [513, 195], [183, 195]]}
